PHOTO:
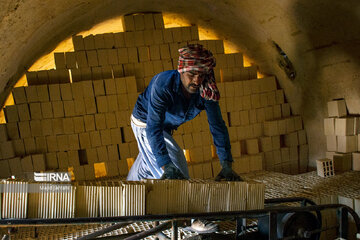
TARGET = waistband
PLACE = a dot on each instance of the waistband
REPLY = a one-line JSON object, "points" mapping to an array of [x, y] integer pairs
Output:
{"points": [[137, 122]]}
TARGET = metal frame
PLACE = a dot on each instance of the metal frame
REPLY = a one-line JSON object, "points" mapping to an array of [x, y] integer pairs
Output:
{"points": [[174, 219]]}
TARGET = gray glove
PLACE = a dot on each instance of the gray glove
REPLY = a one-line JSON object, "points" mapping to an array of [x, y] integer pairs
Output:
{"points": [[227, 173], [171, 172]]}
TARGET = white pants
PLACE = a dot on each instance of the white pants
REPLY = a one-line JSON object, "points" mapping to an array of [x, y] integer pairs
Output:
{"points": [[145, 166]]}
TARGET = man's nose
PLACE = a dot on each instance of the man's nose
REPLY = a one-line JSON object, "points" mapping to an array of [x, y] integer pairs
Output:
{"points": [[198, 79]]}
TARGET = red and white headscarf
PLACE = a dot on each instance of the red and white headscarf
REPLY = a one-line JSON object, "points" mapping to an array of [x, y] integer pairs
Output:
{"points": [[194, 57]]}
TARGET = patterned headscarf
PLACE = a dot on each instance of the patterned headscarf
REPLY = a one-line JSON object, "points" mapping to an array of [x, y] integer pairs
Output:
{"points": [[194, 57]]}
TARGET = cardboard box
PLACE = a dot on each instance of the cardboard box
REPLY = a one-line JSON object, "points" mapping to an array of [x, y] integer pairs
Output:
{"points": [[344, 126], [260, 115], [89, 122], [346, 144], [337, 108], [79, 126], [99, 41]]}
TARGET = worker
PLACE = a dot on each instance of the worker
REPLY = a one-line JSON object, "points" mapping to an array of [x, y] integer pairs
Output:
{"points": [[171, 99]]}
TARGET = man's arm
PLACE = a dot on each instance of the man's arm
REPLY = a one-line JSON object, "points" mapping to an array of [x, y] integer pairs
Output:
{"points": [[158, 103], [219, 131], [221, 140]]}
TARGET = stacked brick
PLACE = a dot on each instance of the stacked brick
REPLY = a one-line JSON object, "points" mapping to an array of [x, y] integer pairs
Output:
{"points": [[342, 134], [77, 115], [123, 198], [71, 125]]}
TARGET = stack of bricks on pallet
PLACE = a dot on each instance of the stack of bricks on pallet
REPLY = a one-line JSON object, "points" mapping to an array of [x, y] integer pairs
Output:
{"points": [[128, 198], [86, 121], [342, 133]]}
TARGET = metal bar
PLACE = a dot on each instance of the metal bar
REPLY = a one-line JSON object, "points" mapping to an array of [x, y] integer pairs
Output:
{"points": [[343, 222], [156, 223], [272, 226], [240, 227], [174, 230], [103, 231], [151, 231]]}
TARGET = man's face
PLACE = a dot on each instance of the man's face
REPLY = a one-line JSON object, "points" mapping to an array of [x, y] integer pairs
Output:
{"points": [[192, 80]]}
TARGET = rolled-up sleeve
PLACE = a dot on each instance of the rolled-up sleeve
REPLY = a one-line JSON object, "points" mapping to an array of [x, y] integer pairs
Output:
{"points": [[159, 100], [219, 131]]}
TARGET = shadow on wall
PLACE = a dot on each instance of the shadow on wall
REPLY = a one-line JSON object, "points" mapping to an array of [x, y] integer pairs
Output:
{"points": [[330, 58]]}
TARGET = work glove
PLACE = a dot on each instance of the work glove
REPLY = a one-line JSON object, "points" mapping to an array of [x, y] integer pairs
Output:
{"points": [[171, 172], [227, 173]]}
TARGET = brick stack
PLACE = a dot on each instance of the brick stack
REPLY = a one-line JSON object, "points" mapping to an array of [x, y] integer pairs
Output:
{"points": [[127, 198], [342, 133], [77, 115]]}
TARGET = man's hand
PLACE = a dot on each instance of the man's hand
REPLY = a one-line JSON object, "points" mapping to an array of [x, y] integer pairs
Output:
{"points": [[171, 172], [227, 173]]}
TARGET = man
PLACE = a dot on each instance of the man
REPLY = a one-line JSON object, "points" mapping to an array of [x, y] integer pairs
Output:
{"points": [[171, 99]]}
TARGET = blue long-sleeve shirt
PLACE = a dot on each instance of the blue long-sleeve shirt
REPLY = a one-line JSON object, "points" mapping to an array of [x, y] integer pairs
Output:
{"points": [[163, 106]]}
